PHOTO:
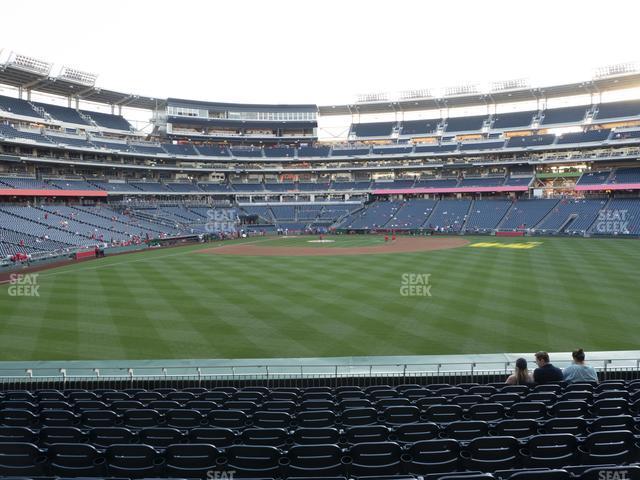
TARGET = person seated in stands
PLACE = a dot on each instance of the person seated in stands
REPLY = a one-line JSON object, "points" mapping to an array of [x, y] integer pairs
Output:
{"points": [[578, 371], [546, 372], [520, 375]]}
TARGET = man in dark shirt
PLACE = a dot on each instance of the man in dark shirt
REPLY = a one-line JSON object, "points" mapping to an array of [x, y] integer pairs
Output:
{"points": [[546, 372]]}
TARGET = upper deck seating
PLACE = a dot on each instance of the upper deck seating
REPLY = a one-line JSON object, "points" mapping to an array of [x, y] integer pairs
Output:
{"points": [[378, 129], [554, 116]]}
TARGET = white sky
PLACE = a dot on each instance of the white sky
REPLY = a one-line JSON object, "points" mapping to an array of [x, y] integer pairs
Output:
{"points": [[296, 51]]}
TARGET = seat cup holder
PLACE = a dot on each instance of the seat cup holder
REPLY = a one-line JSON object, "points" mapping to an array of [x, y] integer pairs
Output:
{"points": [[99, 461], [406, 458], [221, 461], [284, 461], [346, 460]]}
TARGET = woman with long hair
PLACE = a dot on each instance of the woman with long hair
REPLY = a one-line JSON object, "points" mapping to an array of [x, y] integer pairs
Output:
{"points": [[520, 375]]}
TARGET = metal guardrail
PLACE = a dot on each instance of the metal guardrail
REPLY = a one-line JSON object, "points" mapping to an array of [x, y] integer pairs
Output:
{"points": [[288, 374]]}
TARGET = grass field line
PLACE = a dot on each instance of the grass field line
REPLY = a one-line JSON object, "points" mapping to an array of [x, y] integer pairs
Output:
{"points": [[115, 264]]}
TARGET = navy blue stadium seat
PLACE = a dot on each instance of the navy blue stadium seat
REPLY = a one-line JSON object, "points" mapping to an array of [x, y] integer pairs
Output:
{"points": [[316, 418], [415, 432], [120, 406], [610, 447], [18, 435], [106, 436], [432, 456], [133, 461], [76, 460], [315, 436], [183, 418], [99, 418], [227, 418], [491, 453], [59, 418], [569, 408], [51, 435], [252, 461], [443, 413], [220, 437], [246, 406], [83, 405], [192, 460], [399, 415], [273, 437], [573, 426], [488, 412], [160, 437], [359, 416], [520, 428], [314, 461], [466, 430], [264, 419], [20, 459], [141, 418], [608, 423], [366, 434], [530, 410], [378, 458], [54, 405], [202, 406], [534, 474], [550, 451], [17, 418], [610, 407]]}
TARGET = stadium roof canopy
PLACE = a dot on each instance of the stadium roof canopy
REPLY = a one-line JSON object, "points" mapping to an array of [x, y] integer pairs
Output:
{"points": [[30, 74], [595, 86], [306, 107]]}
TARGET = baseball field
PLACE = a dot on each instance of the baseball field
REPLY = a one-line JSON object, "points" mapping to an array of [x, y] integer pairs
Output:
{"points": [[352, 295]]}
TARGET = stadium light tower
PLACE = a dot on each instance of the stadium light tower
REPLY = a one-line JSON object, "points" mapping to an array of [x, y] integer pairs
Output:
{"points": [[372, 97], [617, 69], [467, 89], [78, 76], [29, 64], [415, 94], [515, 84]]}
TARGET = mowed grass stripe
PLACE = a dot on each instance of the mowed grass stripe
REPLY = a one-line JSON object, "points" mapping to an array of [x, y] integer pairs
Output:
{"points": [[178, 304]]}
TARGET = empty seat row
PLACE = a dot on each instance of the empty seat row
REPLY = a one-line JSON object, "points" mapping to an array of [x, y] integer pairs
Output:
{"points": [[485, 454], [105, 433]]}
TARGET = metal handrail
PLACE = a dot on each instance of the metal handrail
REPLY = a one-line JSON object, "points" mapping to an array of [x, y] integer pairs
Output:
{"points": [[299, 370]]}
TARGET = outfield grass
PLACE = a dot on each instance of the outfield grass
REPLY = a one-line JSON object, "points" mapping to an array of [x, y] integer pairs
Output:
{"points": [[172, 303]]}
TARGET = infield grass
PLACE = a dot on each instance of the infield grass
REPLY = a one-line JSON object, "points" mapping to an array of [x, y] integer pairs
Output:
{"points": [[173, 303]]}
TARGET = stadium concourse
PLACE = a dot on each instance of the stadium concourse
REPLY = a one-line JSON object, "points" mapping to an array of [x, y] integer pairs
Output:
{"points": [[76, 177]]}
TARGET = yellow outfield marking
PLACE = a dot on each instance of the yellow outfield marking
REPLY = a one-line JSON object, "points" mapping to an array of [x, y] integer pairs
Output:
{"points": [[513, 246]]}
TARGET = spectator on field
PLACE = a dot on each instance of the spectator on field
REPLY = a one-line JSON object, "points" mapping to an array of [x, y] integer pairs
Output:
{"points": [[578, 371], [520, 375], [546, 372]]}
